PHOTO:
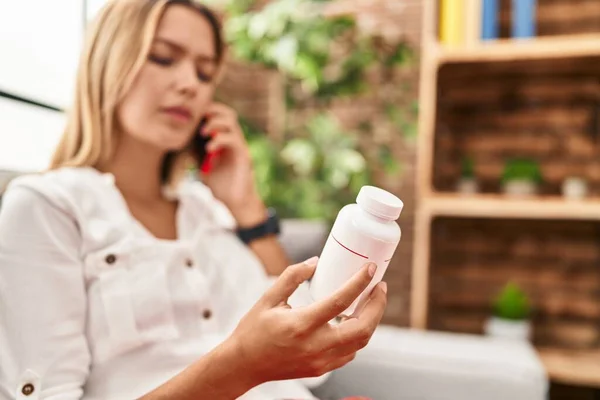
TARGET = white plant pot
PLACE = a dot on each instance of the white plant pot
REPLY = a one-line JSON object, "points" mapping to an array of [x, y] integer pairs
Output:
{"points": [[574, 188], [508, 329], [520, 188], [467, 186]]}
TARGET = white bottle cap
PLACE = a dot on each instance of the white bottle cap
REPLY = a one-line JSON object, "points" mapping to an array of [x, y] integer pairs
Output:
{"points": [[379, 202]]}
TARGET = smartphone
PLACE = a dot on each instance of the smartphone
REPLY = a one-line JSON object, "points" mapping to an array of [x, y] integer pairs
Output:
{"points": [[199, 143]]}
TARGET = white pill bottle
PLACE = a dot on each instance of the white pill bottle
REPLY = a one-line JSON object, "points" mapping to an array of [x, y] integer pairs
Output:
{"points": [[363, 232]]}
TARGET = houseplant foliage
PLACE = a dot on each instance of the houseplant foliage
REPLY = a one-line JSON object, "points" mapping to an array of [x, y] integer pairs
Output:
{"points": [[320, 164], [511, 312], [309, 177], [467, 183], [521, 177], [512, 304]]}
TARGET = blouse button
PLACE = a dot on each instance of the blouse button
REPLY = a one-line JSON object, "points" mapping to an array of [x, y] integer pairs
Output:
{"points": [[189, 263], [207, 314], [110, 259], [27, 389]]}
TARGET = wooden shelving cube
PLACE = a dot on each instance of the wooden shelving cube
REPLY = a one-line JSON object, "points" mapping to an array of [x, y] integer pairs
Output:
{"points": [[554, 261], [538, 99]]}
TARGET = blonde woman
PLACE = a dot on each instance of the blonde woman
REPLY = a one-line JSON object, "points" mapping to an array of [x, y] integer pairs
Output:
{"points": [[111, 286]]}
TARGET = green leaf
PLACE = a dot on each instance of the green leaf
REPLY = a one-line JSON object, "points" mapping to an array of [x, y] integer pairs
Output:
{"points": [[350, 160], [301, 155], [401, 55], [258, 26], [512, 303], [522, 169], [284, 52], [468, 168], [390, 165]]}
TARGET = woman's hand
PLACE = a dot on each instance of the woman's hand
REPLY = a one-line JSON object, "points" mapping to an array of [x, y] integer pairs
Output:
{"points": [[231, 177], [276, 342]]}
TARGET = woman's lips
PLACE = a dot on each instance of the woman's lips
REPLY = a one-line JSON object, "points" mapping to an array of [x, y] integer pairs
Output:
{"points": [[180, 114]]}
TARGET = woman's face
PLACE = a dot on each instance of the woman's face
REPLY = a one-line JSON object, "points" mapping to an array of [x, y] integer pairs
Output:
{"points": [[168, 97]]}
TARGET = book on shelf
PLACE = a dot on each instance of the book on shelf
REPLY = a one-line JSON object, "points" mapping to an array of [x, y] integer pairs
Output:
{"points": [[489, 20], [523, 18], [473, 21], [452, 18], [468, 22]]}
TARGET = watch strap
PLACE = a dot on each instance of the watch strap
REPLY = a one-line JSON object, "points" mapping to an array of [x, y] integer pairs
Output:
{"points": [[269, 227]]}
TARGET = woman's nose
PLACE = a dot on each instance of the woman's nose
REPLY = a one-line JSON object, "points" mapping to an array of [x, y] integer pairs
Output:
{"points": [[187, 79]]}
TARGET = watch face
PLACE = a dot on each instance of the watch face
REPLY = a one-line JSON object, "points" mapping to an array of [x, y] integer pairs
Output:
{"points": [[273, 224]]}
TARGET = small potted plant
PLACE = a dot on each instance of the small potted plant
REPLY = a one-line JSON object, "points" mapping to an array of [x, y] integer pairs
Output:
{"points": [[574, 188], [521, 177], [467, 183], [511, 310]]}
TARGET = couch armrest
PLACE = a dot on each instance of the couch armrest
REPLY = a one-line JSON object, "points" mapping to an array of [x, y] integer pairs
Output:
{"points": [[403, 364], [359, 378]]}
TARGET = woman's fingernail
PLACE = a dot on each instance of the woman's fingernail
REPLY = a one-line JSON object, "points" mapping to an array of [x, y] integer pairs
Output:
{"points": [[312, 261], [384, 287], [372, 269]]}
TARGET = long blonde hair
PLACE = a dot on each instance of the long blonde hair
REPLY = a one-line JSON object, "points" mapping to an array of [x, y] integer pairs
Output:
{"points": [[116, 47]]}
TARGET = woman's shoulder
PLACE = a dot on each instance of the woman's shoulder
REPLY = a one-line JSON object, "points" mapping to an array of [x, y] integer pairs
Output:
{"points": [[65, 188]]}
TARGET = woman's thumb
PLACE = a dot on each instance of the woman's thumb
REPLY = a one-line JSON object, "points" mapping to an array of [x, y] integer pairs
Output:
{"points": [[289, 280]]}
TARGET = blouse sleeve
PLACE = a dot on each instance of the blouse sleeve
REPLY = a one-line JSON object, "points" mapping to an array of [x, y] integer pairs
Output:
{"points": [[43, 348]]}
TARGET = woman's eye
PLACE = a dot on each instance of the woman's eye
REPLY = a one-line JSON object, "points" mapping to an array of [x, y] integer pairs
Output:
{"points": [[164, 61], [204, 77]]}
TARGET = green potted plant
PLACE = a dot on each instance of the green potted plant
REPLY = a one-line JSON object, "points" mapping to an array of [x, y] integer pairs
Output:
{"points": [[521, 177], [511, 313], [467, 183]]}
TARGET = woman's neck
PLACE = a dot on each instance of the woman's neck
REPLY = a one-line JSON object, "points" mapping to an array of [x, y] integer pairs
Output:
{"points": [[136, 168]]}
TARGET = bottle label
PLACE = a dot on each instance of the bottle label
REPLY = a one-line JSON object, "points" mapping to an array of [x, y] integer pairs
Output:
{"points": [[343, 256]]}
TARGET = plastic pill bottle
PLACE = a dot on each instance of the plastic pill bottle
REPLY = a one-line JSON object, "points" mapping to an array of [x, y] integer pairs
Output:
{"points": [[363, 232]]}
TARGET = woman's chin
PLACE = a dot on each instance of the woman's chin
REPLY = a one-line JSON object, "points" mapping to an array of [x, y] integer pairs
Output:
{"points": [[176, 142]]}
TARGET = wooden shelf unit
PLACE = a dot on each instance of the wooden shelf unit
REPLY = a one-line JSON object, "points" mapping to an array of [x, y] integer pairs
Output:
{"points": [[499, 206], [580, 368], [526, 49], [437, 201]]}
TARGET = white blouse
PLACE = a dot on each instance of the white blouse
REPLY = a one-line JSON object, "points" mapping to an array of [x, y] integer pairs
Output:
{"points": [[93, 306]]}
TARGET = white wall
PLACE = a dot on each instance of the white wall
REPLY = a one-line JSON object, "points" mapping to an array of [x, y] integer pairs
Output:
{"points": [[93, 6], [40, 42], [28, 136]]}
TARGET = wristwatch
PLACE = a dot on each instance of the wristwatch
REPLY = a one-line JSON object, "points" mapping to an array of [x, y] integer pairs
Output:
{"points": [[269, 227]]}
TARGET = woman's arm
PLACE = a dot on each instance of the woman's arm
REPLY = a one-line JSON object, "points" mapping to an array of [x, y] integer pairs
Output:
{"points": [[42, 300], [219, 375], [268, 249], [231, 181]]}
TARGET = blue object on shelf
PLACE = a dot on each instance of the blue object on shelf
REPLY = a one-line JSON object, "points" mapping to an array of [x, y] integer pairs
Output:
{"points": [[523, 18], [489, 20]]}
